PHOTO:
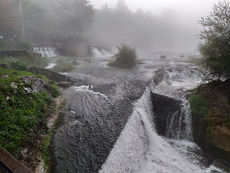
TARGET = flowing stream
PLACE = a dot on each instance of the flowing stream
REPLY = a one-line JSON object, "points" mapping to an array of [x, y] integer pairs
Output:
{"points": [[110, 124]]}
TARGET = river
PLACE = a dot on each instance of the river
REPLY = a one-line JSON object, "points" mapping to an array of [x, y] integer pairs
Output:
{"points": [[109, 123]]}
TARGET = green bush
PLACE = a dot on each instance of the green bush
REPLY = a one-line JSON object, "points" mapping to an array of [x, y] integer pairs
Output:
{"points": [[55, 92], [18, 65], [199, 106], [125, 58]]}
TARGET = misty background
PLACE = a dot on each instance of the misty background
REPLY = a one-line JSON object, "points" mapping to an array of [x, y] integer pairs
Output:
{"points": [[153, 25]]}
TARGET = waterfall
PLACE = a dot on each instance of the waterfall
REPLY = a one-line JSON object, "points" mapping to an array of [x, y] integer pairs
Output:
{"points": [[45, 51], [140, 149], [101, 53]]}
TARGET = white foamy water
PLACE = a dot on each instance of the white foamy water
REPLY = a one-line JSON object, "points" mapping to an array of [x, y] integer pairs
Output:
{"points": [[140, 149], [101, 53], [51, 65], [87, 88], [49, 52]]}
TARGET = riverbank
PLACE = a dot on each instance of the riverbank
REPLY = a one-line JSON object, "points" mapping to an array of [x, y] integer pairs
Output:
{"points": [[210, 105], [29, 109]]}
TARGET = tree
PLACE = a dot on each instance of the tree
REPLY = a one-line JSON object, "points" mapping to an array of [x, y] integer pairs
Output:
{"points": [[216, 36], [9, 18], [35, 20], [76, 16]]}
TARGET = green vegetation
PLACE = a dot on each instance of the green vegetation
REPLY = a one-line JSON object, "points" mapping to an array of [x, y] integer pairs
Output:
{"points": [[22, 113], [199, 106], [216, 47], [65, 65], [14, 45], [46, 157], [22, 63], [125, 58], [54, 90], [45, 150]]}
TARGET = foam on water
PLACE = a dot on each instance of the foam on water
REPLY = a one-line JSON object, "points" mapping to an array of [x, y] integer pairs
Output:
{"points": [[101, 53], [140, 149], [87, 88], [46, 51]]}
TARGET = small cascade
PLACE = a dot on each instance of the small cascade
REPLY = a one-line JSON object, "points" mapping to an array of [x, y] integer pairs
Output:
{"points": [[174, 81], [180, 123], [49, 52], [140, 149], [101, 53]]}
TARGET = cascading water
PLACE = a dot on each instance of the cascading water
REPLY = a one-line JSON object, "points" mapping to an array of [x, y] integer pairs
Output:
{"points": [[140, 149], [49, 52], [101, 53], [103, 130]]}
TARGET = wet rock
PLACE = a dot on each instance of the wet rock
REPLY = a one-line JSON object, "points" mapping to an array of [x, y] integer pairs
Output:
{"points": [[164, 109], [212, 132], [163, 56], [93, 121], [49, 74], [37, 84], [14, 85]]}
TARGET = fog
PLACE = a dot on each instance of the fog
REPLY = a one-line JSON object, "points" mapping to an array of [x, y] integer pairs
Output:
{"points": [[159, 25], [153, 25]]}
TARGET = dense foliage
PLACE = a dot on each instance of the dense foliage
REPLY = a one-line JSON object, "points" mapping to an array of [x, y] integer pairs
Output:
{"points": [[216, 36], [21, 112], [126, 57]]}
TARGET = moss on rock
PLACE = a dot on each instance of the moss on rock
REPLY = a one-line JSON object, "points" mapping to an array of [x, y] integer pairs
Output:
{"points": [[211, 114]]}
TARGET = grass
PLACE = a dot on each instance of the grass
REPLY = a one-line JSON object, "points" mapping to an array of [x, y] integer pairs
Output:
{"points": [[45, 150], [22, 63], [65, 65], [21, 113], [125, 58], [46, 156]]}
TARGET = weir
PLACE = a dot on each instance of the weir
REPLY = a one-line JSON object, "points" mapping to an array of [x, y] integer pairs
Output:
{"points": [[109, 128]]}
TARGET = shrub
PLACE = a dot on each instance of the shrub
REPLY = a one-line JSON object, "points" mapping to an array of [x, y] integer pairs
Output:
{"points": [[199, 106], [125, 58], [216, 36], [18, 65], [22, 63], [54, 90]]}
